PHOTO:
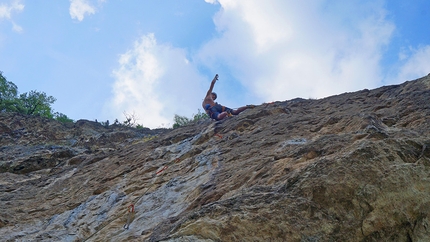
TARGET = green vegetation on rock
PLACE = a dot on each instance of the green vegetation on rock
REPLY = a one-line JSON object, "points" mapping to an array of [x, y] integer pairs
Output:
{"points": [[182, 120], [29, 103]]}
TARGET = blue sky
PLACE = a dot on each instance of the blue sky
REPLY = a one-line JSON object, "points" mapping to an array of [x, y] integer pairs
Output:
{"points": [[103, 58]]}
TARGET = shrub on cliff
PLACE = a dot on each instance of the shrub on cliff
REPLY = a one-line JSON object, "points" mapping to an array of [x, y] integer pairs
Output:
{"points": [[62, 118], [182, 120]]}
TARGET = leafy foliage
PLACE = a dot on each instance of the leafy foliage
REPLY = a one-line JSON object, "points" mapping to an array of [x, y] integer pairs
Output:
{"points": [[200, 116], [62, 118], [182, 120], [139, 126], [8, 94], [36, 103], [31, 103]]}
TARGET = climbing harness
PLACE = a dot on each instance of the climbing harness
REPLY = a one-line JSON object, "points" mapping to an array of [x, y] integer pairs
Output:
{"points": [[210, 112]]}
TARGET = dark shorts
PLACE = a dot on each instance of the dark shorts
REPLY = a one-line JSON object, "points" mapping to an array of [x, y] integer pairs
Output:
{"points": [[214, 111]]}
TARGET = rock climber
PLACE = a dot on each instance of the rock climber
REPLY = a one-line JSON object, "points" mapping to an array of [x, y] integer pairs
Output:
{"points": [[217, 111]]}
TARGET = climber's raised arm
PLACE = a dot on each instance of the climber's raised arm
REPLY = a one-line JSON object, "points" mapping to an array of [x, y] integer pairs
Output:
{"points": [[212, 86]]}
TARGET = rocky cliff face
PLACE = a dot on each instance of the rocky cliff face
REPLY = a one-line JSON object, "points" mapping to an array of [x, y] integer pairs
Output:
{"points": [[351, 167]]}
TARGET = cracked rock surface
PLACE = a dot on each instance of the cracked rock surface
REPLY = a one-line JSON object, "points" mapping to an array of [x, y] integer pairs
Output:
{"points": [[350, 167]]}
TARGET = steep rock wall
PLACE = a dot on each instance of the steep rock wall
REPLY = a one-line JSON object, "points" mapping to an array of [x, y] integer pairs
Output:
{"points": [[351, 167]]}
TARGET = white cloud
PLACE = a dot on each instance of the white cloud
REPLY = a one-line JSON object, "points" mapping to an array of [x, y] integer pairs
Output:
{"points": [[17, 28], [6, 11], [276, 49], [416, 65], [283, 49], [155, 81], [79, 8]]}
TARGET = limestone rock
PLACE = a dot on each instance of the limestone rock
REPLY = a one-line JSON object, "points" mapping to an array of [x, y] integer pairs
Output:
{"points": [[351, 167]]}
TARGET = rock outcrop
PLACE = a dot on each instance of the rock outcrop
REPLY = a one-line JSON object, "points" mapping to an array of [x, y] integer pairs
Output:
{"points": [[351, 167]]}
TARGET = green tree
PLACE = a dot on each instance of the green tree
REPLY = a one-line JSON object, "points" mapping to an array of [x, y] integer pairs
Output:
{"points": [[31, 103], [36, 103], [8, 95]]}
